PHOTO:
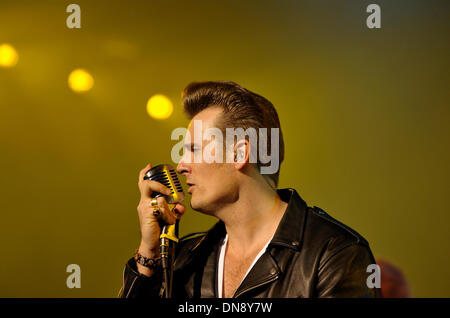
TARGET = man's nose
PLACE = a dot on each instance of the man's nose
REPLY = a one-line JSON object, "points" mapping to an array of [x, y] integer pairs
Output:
{"points": [[182, 167]]}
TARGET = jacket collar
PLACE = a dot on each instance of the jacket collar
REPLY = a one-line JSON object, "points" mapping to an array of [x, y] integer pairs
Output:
{"points": [[290, 230]]}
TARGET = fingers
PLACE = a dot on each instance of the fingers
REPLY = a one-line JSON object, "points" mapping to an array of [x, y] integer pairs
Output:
{"points": [[179, 209], [143, 171], [167, 215], [147, 187]]}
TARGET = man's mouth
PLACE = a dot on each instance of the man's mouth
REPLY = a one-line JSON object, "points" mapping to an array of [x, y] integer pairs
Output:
{"points": [[190, 185]]}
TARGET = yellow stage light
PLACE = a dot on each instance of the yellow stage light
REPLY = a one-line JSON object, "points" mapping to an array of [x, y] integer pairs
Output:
{"points": [[8, 55], [80, 80], [159, 107]]}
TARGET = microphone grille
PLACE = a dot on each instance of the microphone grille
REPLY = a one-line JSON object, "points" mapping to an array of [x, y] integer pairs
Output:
{"points": [[166, 175]]}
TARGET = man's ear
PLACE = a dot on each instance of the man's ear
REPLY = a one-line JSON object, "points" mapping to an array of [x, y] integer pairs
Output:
{"points": [[241, 153]]}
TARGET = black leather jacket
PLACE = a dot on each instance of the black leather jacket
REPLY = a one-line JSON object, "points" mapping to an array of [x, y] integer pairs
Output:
{"points": [[310, 255]]}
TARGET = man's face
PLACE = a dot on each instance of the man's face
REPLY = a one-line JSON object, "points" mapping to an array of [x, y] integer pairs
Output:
{"points": [[210, 184]]}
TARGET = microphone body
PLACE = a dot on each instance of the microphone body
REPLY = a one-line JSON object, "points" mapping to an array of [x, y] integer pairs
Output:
{"points": [[167, 175]]}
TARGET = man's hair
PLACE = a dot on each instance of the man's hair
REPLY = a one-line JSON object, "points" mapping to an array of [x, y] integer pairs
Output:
{"points": [[241, 109]]}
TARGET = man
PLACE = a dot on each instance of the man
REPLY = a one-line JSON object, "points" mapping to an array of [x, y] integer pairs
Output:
{"points": [[267, 242]]}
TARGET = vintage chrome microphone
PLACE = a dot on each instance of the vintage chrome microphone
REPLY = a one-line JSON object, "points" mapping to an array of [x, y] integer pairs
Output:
{"points": [[167, 175]]}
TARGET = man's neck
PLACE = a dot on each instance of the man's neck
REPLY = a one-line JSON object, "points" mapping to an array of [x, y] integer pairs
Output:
{"points": [[253, 219]]}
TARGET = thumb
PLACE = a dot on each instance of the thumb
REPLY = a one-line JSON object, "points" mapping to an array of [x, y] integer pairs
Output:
{"points": [[179, 209]]}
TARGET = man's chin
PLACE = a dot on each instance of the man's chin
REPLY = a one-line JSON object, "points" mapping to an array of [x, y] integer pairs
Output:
{"points": [[194, 205], [198, 207]]}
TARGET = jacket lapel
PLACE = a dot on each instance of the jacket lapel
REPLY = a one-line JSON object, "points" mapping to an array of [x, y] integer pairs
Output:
{"points": [[289, 234], [204, 280], [208, 285], [263, 272]]}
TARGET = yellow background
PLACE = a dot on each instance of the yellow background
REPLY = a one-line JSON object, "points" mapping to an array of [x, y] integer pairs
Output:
{"points": [[365, 115]]}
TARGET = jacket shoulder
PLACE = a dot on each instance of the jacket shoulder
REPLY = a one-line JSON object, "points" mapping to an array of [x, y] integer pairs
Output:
{"points": [[190, 241], [192, 236], [321, 222], [185, 246]]}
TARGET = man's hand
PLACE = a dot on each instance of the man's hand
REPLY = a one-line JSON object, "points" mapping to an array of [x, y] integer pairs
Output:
{"points": [[149, 224]]}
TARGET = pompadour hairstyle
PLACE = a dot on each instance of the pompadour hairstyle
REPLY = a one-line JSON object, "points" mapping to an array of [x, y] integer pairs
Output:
{"points": [[241, 108]]}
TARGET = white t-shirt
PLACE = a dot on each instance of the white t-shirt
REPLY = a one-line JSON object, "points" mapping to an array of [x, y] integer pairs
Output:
{"points": [[222, 249]]}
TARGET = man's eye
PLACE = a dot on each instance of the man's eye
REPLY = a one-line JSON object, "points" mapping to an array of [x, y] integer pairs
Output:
{"points": [[193, 149]]}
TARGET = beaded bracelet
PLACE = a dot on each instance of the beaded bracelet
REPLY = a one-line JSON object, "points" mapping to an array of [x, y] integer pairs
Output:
{"points": [[145, 261]]}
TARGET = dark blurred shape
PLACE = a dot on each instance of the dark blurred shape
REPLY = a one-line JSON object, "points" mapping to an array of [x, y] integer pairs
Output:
{"points": [[393, 281]]}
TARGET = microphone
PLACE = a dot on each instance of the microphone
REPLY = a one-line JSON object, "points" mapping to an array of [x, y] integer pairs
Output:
{"points": [[167, 175]]}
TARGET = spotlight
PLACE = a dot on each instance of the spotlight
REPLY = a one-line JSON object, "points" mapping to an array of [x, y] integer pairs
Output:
{"points": [[159, 107], [80, 80], [8, 55]]}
